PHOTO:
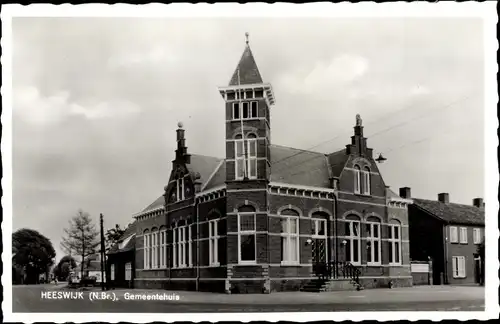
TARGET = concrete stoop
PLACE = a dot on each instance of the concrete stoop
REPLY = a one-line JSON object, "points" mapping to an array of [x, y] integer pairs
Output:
{"points": [[319, 285]]}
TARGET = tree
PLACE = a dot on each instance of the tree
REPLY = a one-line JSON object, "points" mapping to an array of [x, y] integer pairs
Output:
{"points": [[113, 236], [33, 253], [81, 237], [64, 267]]}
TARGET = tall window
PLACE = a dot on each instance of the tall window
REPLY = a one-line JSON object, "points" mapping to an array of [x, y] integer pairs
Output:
{"points": [[353, 240], [453, 234], [252, 156], [190, 246], [180, 246], [154, 248], [180, 189], [246, 235], [477, 236], [245, 151], [128, 271], [147, 249], [163, 248], [373, 241], [245, 110], [174, 247], [458, 267], [357, 179], [112, 272], [366, 181], [463, 235], [213, 236], [394, 243], [290, 237]]}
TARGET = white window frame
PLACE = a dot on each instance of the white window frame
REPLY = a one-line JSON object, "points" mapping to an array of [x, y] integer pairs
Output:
{"points": [[190, 245], [180, 188], [174, 247], [180, 247], [366, 181], [247, 232], [213, 237], [147, 248], [372, 239], [240, 109], [246, 157], [350, 240], [252, 158], [288, 236], [128, 271], [163, 248], [393, 228], [477, 236], [453, 234], [459, 267], [112, 271], [239, 159], [357, 179], [463, 235]]}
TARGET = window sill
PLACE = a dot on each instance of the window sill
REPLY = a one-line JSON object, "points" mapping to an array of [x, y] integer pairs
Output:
{"points": [[395, 264], [464, 243], [290, 264], [215, 264], [247, 262], [464, 277], [362, 194], [373, 264]]}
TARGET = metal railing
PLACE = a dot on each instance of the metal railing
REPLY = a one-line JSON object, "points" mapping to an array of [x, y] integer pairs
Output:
{"points": [[337, 270]]}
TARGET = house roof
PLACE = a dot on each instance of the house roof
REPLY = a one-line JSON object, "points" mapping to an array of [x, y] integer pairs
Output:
{"points": [[337, 161], [451, 212], [248, 71], [204, 165], [127, 240]]}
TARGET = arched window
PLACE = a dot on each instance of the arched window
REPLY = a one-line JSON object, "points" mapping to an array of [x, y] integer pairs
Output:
{"points": [[252, 155], [318, 223], [147, 249], [246, 235], [290, 237], [394, 242], [373, 241], [213, 238], [163, 247], [353, 239], [154, 248], [366, 181], [357, 179]]}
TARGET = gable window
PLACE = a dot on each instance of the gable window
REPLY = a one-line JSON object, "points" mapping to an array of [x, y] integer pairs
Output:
{"points": [[353, 240], [147, 250], [213, 239], [394, 243], [246, 235], [453, 234], [373, 241], [463, 235], [366, 181], [180, 189], [458, 267], [477, 236], [289, 237], [357, 179]]}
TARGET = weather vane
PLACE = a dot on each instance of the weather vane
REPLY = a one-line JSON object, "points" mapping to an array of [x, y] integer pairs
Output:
{"points": [[246, 35]]}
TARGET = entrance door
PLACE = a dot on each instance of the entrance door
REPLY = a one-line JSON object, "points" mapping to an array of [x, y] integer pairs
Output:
{"points": [[319, 247], [477, 270]]}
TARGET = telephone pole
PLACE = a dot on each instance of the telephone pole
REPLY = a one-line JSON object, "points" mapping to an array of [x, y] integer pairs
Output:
{"points": [[103, 253]]}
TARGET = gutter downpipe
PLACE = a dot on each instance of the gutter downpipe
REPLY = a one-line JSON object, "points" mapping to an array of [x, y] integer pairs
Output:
{"points": [[197, 244]]}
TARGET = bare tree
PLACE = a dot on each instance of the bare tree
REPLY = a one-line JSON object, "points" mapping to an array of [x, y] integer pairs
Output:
{"points": [[81, 237]]}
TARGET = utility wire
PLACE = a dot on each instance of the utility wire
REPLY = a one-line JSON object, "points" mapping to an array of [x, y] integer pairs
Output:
{"points": [[447, 106]]}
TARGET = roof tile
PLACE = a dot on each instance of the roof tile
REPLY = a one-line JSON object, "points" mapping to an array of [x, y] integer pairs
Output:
{"points": [[451, 212]]}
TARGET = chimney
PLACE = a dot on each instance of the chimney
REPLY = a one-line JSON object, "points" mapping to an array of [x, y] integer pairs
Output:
{"points": [[405, 192], [478, 202], [444, 197]]}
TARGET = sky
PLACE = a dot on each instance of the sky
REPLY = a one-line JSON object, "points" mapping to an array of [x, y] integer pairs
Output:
{"points": [[96, 102]]}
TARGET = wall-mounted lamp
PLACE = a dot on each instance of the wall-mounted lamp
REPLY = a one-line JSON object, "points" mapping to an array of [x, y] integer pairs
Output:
{"points": [[308, 242], [344, 242]]}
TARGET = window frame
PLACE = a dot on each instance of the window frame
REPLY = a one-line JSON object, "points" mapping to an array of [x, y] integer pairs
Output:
{"points": [[246, 159], [454, 234], [392, 241], [366, 182], [245, 233], [463, 238], [238, 109], [288, 237], [477, 235], [147, 243], [213, 242], [112, 270], [459, 272], [357, 179], [128, 271], [371, 250], [350, 240]]}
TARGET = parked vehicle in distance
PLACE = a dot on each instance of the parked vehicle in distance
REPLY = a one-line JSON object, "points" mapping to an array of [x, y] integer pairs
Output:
{"points": [[88, 281]]}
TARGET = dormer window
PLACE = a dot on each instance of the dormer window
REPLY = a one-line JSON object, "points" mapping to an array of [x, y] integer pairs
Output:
{"points": [[177, 193]]}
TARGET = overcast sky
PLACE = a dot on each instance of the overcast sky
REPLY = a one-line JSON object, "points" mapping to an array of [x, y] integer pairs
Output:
{"points": [[97, 101]]}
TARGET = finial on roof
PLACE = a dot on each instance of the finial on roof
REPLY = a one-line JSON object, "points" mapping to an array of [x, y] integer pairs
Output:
{"points": [[247, 35], [180, 125], [358, 120]]}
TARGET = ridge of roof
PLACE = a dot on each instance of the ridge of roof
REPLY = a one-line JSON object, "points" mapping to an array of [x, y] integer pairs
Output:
{"points": [[451, 212], [297, 149]]}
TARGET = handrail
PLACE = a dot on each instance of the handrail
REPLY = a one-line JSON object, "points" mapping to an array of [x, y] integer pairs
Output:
{"points": [[338, 269]]}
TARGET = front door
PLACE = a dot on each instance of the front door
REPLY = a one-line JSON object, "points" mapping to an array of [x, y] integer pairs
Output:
{"points": [[477, 270], [319, 247]]}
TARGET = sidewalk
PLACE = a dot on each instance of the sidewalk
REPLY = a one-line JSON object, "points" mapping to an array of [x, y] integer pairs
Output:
{"points": [[429, 293]]}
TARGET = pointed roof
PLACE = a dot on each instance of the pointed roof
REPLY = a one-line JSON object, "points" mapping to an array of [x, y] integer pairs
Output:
{"points": [[249, 72]]}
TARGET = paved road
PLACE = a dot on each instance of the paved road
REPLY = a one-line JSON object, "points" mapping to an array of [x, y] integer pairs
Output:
{"points": [[28, 299]]}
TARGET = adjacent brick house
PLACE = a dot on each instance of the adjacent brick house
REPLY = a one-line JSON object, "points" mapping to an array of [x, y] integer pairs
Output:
{"points": [[120, 264], [449, 234], [264, 217]]}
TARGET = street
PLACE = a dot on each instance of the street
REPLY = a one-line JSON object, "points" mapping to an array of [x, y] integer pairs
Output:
{"points": [[429, 298]]}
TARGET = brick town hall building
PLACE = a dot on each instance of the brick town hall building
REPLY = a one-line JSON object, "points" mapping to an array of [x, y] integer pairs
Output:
{"points": [[270, 218]]}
